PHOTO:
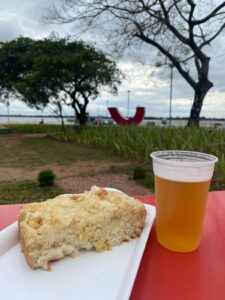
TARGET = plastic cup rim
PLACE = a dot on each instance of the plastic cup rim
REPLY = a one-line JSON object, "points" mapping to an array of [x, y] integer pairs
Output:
{"points": [[212, 159]]}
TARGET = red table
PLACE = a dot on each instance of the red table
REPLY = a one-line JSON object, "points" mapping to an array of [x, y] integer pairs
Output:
{"points": [[166, 275]]}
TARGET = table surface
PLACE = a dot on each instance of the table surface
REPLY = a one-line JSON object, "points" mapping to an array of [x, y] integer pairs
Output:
{"points": [[167, 275]]}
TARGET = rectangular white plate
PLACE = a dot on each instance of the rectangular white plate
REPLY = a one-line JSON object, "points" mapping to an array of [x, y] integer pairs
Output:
{"points": [[90, 276]]}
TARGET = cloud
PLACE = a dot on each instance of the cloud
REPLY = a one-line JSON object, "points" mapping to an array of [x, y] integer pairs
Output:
{"points": [[25, 20], [149, 87]]}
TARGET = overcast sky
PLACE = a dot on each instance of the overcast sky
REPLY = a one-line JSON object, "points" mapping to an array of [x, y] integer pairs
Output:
{"points": [[147, 88]]}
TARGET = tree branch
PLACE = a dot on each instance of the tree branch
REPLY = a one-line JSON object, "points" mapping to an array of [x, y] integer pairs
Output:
{"points": [[212, 14], [166, 20], [208, 41], [179, 11], [197, 65], [171, 58], [192, 4]]}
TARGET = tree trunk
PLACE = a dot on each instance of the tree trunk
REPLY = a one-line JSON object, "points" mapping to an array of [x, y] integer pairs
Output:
{"points": [[63, 125], [75, 117], [200, 93], [60, 112], [80, 110], [82, 116]]}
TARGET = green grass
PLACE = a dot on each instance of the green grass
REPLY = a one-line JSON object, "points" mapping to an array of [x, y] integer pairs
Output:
{"points": [[26, 191], [39, 151], [138, 142], [35, 153]]}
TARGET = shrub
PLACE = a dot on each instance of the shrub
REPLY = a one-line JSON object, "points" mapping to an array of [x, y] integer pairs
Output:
{"points": [[139, 173], [46, 178]]}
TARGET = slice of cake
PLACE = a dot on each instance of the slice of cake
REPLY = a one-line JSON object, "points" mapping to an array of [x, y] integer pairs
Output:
{"points": [[95, 220]]}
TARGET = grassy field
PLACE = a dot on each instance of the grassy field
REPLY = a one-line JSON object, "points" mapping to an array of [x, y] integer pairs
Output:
{"points": [[21, 159], [26, 191], [138, 142], [37, 151]]}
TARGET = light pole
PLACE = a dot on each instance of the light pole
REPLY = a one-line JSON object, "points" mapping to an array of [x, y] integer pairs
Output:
{"points": [[128, 103], [171, 92], [7, 103], [107, 110]]}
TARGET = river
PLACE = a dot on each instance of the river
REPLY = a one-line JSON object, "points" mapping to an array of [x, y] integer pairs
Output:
{"points": [[69, 120]]}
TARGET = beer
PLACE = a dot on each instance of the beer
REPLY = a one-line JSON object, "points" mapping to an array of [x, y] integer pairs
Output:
{"points": [[180, 213], [182, 180]]}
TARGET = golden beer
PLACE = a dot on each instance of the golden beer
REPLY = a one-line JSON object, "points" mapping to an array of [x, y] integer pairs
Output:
{"points": [[182, 180], [180, 210]]}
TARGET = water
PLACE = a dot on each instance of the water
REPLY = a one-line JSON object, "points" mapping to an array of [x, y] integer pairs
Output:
{"points": [[213, 123], [32, 120], [69, 120]]}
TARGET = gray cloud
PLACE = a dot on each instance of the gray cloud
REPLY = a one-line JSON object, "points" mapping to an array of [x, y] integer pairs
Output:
{"points": [[148, 88], [9, 29]]}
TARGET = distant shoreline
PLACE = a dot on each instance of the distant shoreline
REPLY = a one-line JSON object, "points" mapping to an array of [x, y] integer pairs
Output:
{"points": [[33, 116], [105, 117]]}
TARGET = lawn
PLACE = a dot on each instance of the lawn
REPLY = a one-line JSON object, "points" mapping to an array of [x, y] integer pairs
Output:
{"points": [[138, 142], [23, 156], [29, 152], [26, 191], [104, 143]]}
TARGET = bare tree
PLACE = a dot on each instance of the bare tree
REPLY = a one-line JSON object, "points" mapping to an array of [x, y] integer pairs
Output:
{"points": [[178, 29]]}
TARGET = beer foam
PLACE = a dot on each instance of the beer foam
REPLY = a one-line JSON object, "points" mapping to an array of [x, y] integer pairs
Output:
{"points": [[183, 166]]}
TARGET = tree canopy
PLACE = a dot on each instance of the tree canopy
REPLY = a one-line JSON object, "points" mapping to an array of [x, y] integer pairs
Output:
{"points": [[42, 71], [179, 29], [14, 61]]}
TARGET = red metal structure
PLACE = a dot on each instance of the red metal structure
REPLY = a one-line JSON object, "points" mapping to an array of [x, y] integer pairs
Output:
{"points": [[138, 117]]}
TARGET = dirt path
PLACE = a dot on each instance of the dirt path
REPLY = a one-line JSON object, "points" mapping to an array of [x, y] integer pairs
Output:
{"points": [[121, 182], [75, 169]]}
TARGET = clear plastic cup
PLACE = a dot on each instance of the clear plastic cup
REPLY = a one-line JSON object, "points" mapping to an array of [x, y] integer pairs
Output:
{"points": [[182, 180]]}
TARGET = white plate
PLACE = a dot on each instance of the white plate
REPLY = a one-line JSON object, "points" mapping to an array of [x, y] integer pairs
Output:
{"points": [[90, 276]]}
